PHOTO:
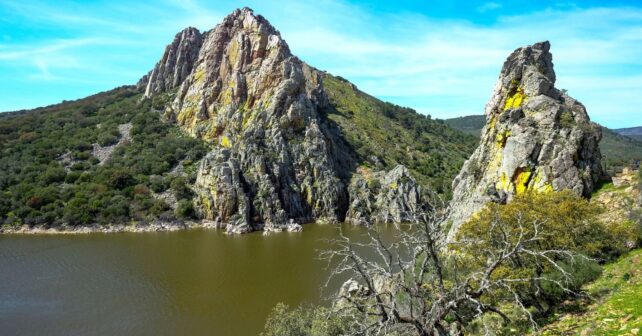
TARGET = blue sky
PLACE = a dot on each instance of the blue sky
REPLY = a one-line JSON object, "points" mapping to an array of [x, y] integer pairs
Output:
{"points": [[438, 57]]}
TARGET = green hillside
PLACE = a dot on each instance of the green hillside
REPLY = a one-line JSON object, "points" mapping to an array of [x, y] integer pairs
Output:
{"points": [[471, 124], [50, 176], [615, 304], [631, 132], [390, 134], [71, 164]]}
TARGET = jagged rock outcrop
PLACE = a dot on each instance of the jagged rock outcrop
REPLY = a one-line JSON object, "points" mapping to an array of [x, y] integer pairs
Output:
{"points": [[536, 138], [275, 159], [176, 63], [392, 196]]}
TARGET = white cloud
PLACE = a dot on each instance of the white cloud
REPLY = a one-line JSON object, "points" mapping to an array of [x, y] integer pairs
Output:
{"points": [[417, 60], [438, 66]]}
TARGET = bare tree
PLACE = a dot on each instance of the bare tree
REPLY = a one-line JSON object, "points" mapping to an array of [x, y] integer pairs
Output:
{"points": [[418, 282]]}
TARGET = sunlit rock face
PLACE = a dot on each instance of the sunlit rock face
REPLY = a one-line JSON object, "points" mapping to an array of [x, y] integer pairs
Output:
{"points": [[536, 138], [275, 158], [176, 63]]}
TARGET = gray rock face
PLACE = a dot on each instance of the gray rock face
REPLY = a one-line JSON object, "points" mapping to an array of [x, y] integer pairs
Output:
{"points": [[536, 138], [176, 63], [386, 197], [274, 159]]}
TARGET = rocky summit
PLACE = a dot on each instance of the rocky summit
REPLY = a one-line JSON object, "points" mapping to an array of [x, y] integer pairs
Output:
{"points": [[275, 158], [536, 138]]}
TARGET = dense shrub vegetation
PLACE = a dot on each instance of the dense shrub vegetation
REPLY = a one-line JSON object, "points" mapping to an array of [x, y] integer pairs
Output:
{"points": [[308, 320], [49, 175], [508, 270]]}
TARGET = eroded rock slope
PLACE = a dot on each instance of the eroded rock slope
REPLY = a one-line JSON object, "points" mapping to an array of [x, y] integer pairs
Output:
{"points": [[536, 138], [275, 158]]}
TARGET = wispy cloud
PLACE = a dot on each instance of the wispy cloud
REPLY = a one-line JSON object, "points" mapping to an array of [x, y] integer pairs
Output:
{"points": [[444, 66], [489, 6], [448, 68], [28, 51]]}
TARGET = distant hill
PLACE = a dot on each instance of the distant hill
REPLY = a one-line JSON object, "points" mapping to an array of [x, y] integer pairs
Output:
{"points": [[619, 147], [631, 132], [471, 124]]}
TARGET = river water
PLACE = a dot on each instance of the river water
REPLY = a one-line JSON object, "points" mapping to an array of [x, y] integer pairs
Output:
{"points": [[195, 282]]}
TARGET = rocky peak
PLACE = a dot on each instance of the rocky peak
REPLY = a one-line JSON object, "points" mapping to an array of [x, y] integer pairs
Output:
{"points": [[274, 158], [176, 63], [242, 64], [536, 138]]}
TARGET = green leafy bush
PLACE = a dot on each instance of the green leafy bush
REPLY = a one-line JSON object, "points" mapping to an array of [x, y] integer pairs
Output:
{"points": [[312, 320], [184, 209], [37, 190]]}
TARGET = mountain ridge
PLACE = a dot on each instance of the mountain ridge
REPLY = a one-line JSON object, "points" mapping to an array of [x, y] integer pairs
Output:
{"points": [[270, 141], [276, 156], [632, 132]]}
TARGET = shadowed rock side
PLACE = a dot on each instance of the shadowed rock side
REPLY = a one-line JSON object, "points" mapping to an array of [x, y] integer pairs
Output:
{"points": [[274, 157], [536, 138], [176, 63]]}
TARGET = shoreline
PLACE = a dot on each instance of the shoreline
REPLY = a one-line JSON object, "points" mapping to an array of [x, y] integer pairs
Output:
{"points": [[136, 228], [156, 226]]}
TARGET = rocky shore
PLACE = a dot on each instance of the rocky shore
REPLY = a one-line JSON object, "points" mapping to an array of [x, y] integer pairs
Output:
{"points": [[67, 229], [156, 226]]}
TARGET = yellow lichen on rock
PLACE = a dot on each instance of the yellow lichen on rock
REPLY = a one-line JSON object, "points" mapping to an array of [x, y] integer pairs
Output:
{"points": [[493, 122], [186, 114], [503, 183], [520, 180], [226, 142], [233, 52], [199, 75], [206, 207], [516, 100], [539, 186], [502, 137]]}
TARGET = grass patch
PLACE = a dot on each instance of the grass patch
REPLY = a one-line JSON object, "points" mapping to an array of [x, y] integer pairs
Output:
{"points": [[617, 303], [606, 186]]}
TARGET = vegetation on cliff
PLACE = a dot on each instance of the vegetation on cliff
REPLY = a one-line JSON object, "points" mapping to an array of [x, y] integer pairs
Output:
{"points": [[50, 174], [384, 135]]}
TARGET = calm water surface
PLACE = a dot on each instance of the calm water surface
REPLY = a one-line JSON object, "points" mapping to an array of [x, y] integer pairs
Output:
{"points": [[159, 283]]}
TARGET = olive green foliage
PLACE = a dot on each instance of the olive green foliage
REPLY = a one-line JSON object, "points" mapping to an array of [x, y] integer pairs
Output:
{"points": [[617, 150], [49, 176], [525, 259], [567, 222], [300, 321], [184, 209], [566, 119], [433, 151]]}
